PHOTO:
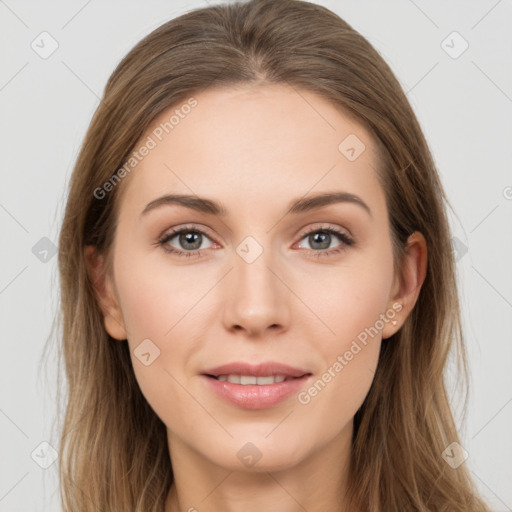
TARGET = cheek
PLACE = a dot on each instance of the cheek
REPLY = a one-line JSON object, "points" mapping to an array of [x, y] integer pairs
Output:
{"points": [[164, 303], [350, 358], [348, 299], [156, 295], [351, 300]]}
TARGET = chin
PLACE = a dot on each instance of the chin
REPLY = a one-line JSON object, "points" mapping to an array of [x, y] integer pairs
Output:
{"points": [[257, 455]]}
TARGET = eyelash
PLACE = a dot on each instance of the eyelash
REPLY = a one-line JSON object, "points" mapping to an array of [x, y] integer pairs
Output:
{"points": [[344, 238]]}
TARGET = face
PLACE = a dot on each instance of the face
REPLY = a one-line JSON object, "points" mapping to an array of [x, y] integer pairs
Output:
{"points": [[256, 282]]}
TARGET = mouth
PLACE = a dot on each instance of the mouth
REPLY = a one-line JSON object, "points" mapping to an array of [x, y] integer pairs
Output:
{"points": [[246, 380], [255, 387], [261, 374]]}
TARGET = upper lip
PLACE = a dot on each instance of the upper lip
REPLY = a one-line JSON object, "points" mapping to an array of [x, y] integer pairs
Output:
{"points": [[270, 368]]}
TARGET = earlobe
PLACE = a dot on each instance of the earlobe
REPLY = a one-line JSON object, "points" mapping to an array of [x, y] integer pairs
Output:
{"points": [[105, 294], [408, 285]]}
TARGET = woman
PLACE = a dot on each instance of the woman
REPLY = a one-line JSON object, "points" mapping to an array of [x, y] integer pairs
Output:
{"points": [[291, 357]]}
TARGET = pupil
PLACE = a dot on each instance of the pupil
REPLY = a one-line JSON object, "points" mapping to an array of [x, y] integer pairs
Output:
{"points": [[188, 238], [324, 240]]}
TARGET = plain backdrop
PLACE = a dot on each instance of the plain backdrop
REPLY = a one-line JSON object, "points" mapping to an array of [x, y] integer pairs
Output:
{"points": [[460, 86]]}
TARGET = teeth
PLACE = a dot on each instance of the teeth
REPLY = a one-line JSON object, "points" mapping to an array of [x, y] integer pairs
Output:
{"points": [[251, 379]]}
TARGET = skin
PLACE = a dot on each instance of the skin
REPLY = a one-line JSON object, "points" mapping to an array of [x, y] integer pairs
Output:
{"points": [[255, 149]]}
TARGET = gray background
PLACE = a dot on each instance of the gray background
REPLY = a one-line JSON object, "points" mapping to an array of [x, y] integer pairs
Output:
{"points": [[464, 105]]}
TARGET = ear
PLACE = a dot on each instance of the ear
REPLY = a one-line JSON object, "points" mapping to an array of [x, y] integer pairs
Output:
{"points": [[105, 294], [407, 284]]}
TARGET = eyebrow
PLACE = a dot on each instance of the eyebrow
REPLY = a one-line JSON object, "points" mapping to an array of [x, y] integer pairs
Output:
{"points": [[301, 205]]}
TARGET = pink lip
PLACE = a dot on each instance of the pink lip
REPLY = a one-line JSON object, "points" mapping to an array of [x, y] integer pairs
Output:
{"points": [[253, 396], [259, 370]]}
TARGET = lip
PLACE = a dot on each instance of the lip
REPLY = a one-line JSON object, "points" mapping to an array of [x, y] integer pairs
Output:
{"points": [[253, 396], [259, 370]]}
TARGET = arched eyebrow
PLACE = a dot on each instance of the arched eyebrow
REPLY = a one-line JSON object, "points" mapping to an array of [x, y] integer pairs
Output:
{"points": [[307, 204], [296, 206]]}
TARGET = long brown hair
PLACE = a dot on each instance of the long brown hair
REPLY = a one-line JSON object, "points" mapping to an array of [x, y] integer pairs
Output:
{"points": [[114, 453]]}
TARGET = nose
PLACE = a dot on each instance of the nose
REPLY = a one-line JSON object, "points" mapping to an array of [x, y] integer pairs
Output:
{"points": [[257, 297]]}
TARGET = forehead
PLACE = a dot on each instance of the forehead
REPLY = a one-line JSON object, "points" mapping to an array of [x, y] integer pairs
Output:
{"points": [[251, 145]]}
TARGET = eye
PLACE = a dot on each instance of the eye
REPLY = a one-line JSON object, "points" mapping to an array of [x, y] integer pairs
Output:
{"points": [[189, 240], [320, 239]]}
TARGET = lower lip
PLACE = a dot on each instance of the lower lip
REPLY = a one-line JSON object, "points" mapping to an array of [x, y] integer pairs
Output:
{"points": [[253, 396]]}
